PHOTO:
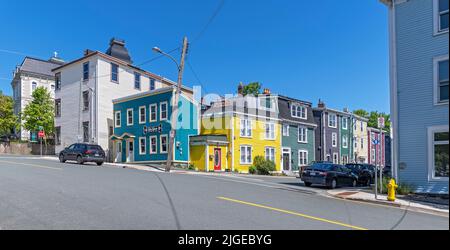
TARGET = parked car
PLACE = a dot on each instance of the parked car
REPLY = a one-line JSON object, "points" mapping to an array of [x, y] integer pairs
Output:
{"points": [[329, 175], [365, 172], [82, 152]]}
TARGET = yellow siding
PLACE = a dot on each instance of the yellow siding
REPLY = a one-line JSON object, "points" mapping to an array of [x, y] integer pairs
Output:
{"points": [[197, 157], [223, 158], [219, 126], [358, 134]]}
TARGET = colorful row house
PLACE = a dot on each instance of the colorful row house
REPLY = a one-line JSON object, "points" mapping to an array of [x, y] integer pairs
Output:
{"points": [[376, 147], [142, 125], [360, 139]]}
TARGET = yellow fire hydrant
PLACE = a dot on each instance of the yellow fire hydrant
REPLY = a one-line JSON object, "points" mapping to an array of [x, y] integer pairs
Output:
{"points": [[392, 186]]}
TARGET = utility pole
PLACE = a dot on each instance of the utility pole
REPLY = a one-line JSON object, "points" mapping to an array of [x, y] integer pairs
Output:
{"points": [[174, 117]]}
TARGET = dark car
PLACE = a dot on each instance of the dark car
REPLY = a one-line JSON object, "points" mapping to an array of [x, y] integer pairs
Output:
{"points": [[329, 175], [365, 172], [82, 152]]}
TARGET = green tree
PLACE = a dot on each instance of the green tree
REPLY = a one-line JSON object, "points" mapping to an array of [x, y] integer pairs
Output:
{"points": [[253, 88], [362, 113], [39, 112], [373, 118], [8, 121]]}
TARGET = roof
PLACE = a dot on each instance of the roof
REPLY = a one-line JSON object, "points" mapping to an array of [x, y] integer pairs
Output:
{"points": [[38, 66], [208, 139], [334, 111], [143, 94], [284, 109]]}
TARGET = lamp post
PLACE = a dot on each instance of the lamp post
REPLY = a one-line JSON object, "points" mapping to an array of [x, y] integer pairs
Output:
{"points": [[173, 120]]}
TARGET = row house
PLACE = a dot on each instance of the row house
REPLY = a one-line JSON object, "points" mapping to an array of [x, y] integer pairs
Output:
{"points": [[29, 75], [360, 139], [376, 147], [86, 87]]}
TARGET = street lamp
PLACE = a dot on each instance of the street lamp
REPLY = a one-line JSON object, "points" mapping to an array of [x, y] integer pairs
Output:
{"points": [[158, 50]]}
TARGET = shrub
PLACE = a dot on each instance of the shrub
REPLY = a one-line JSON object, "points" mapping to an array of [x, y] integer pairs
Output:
{"points": [[263, 166], [191, 167], [252, 170], [402, 189]]}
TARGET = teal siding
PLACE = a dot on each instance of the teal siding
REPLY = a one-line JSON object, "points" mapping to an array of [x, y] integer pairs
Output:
{"points": [[291, 142], [349, 133]]}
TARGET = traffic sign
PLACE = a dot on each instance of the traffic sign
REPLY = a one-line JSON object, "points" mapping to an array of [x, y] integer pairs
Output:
{"points": [[381, 122], [376, 142]]}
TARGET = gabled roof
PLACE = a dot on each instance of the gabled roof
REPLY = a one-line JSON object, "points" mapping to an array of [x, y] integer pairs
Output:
{"points": [[38, 66], [284, 106]]}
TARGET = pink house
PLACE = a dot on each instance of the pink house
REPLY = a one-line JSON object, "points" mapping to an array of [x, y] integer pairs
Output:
{"points": [[376, 152]]}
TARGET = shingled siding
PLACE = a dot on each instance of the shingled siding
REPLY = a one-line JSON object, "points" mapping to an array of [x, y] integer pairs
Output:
{"points": [[416, 47]]}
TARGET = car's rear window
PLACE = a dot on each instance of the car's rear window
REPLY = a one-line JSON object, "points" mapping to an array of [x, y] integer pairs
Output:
{"points": [[321, 166], [94, 147]]}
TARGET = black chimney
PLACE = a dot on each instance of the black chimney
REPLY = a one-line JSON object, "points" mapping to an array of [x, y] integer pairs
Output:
{"points": [[117, 49]]}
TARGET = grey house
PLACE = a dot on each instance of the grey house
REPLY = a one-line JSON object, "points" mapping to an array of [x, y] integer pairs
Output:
{"points": [[297, 133]]}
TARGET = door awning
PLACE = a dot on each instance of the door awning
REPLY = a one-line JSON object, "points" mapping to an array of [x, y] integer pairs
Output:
{"points": [[124, 136]]}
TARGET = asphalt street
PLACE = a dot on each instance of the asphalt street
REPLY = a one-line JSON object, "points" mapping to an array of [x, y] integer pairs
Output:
{"points": [[45, 194]]}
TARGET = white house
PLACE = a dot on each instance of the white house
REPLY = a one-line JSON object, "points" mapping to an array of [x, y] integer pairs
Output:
{"points": [[85, 89], [29, 75]]}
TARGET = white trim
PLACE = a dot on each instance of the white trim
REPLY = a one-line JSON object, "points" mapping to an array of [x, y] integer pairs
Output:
{"points": [[334, 135], [306, 134], [431, 143], [150, 112], [248, 133], [156, 144], [294, 112], [336, 121], [436, 91], [307, 157], [346, 141], [346, 123], [246, 156], [285, 150], [274, 153], [207, 158], [119, 120], [337, 157], [145, 114], [437, 19], [128, 117], [160, 144], [140, 146], [160, 111], [283, 129], [271, 131]]}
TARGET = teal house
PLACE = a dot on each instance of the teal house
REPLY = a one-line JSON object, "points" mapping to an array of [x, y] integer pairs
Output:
{"points": [[142, 125], [298, 133]]}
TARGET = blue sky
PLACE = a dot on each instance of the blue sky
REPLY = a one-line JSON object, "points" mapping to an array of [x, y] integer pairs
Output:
{"points": [[333, 50]]}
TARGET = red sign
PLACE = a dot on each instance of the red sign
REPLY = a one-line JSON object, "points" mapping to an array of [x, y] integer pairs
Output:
{"points": [[41, 134]]}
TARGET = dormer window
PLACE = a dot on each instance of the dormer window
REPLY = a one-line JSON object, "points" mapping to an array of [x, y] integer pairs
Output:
{"points": [[298, 111]]}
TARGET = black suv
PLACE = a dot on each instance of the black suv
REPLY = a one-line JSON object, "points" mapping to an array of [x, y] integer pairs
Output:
{"points": [[329, 174], [365, 172], [82, 152]]}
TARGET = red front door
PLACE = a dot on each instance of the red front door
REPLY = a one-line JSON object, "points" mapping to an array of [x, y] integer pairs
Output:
{"points": [[217, 159]]}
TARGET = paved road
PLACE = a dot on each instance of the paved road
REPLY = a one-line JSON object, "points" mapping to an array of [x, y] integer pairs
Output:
{"points": [[45, 194]]}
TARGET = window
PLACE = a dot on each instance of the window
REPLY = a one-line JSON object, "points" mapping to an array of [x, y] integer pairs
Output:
{"points": [[153, 143], [362, 143], [114, 72], [117, 120], [152, 84], [373, 155], [163, 146], [85, 100], [129, 117], [332, 121], [302, 158], [285, 130], [441, 79], [298, 111], [85, 71], [33, 86], [345, 141], [58, 81], [58, 107], [354, 125], [52, 87], [142, 145], [270, 154], [246, 128], [270, 131], [334, 140], [153, 115], [344, 123], [142, 115], [438, 152], [440, 16], [355, 146], [302, 134], [335, 158], [163, 111], [58, 135], [85, 131], [137, 80], [246, 155], [362, 126]]}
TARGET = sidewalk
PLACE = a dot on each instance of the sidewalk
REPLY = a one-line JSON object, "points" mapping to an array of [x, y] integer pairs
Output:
{"points": [[401, 202]]}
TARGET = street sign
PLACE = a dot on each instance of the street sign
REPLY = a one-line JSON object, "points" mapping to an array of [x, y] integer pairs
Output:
{"points": [[381, 122], [41, 134], [376, 142]]}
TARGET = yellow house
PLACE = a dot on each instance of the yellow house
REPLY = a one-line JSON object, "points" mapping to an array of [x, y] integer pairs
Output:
{"points": [[236, 135], [360, 140]]}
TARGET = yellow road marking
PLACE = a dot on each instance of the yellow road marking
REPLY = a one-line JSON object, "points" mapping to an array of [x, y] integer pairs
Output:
{"points": [[293, 213], [31, 165]]}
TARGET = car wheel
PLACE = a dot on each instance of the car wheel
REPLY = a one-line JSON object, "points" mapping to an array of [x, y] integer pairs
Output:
{"points": [[61, 158], [79, 160], [99, 163], [333, 184], [308, 184]]}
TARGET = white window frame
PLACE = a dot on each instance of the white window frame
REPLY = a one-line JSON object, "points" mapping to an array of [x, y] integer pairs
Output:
{"points": [[246, 147], [161, 113], [117, 120], [150, 112], [137, 80], [437, 20], [296, 108], [161, 144], [373, 152], [152, 152], [128, 117], [140, 146], [345, 145], [362, 143], [431, 143], [33, 89], [335, 120], [436, 83], [344, 122], [246, 125], [272, 153], [301, 135], [334, 139], [271, 135], [336, 156], [285, 129], [140, 115], [306, 158], [88, 71], [117, 74]]}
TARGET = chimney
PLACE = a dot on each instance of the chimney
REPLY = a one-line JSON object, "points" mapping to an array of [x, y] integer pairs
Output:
{"points": [[240, 88], [266, 92], [87, 52], [117, 49], [321, 104], [55, 59], [346, 110]]}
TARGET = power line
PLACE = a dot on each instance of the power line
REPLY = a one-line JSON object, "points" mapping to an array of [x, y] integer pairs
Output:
{"points": [[211, 19]]}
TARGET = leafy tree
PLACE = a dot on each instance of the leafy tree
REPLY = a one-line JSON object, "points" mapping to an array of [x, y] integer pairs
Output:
{"points": [[253, 88], [373, 118], [8, 121], [39, 112], [362, 113]]}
